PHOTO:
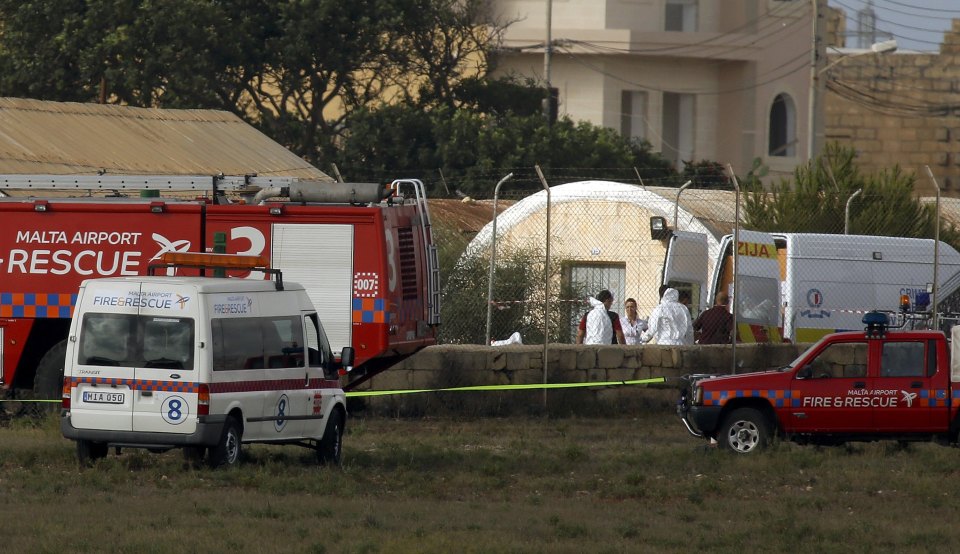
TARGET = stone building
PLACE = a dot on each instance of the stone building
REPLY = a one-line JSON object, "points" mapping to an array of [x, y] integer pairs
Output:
{"points": [[901, 108], [726, 81]]}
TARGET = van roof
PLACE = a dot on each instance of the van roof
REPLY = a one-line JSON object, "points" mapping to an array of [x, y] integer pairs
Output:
{"points": [[201, 284]]}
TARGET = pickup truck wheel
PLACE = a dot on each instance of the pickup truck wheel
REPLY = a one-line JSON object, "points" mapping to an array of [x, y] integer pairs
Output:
{"points": [[48, 381], [329, 451], [744, 431], [89, 452], [227, 451]]}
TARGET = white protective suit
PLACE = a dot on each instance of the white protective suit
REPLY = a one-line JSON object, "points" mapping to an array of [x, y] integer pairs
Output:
{"points": [[599, 326], [669, 322]]}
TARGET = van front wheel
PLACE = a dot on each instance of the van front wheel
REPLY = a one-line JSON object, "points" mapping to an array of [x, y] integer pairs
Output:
{"points": [[329, 451], [227, 451]]}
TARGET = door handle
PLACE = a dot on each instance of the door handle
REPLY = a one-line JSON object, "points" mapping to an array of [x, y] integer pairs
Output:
{"points": [[859, 384]]}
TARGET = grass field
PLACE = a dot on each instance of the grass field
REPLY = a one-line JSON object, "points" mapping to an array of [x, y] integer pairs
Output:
{"points": [[630, 484]]}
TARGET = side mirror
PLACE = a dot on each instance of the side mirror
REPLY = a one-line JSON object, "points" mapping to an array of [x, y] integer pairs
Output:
{"points": [[346, 359]]}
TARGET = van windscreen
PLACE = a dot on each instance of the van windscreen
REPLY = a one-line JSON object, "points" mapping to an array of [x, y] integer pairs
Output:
{"points": [[129, 340]]}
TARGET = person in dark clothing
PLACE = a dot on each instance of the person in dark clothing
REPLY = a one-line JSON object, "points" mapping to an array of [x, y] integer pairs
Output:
{"points": [[715, 325]]}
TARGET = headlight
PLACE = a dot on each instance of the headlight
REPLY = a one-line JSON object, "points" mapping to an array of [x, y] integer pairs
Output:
{"points": [[697, 395]]}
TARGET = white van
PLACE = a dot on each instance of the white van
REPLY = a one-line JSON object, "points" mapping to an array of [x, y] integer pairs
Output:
{"points": [[802, 286], [205, 364]]}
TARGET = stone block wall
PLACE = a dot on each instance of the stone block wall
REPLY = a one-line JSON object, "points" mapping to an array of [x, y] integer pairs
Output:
{"points": [[900, 108], [450, 366]]}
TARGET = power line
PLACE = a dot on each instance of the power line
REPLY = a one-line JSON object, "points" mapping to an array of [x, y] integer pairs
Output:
{"points": [[770, 21], [899, 25], [716, 51], [916, 7], [886, 105], [914, 14], [894, 23], [802, 56]]}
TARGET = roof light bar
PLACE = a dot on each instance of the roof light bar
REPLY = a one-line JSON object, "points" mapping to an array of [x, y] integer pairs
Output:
{"points": [[225, 261]]}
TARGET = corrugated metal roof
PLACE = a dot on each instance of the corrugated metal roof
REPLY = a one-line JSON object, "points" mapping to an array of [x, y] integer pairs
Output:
{"points": [[66, 137]]}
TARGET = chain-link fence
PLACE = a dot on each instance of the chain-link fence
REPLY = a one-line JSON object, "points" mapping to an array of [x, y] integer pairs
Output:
{"points": [[604, 235]]}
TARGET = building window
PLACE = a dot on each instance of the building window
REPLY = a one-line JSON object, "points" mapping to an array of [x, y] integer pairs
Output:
{"points": [[584, 278], [633, 114], [681, 15], [783, 127], [678, 128]]}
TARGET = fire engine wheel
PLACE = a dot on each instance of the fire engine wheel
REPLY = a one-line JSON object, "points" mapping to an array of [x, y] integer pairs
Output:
{"points": [[744, 431], [48, 381], [329, 451], [227, 451], [89, 452]]}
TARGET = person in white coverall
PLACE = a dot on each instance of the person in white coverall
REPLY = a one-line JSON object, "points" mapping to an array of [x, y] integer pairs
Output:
{"points": [[599, 327], [669, 322]]}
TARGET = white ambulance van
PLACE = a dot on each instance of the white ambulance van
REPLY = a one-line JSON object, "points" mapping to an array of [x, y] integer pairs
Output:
{"points": [[200, 363]]}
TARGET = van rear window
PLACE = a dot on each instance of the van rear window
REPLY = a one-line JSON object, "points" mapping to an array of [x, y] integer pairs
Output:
{"points": [[129, 340]]}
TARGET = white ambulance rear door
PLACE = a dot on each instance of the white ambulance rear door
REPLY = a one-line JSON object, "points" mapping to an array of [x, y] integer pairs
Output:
{"points": [[103, 380], [757, 294], [167, 373], [685, 268]]}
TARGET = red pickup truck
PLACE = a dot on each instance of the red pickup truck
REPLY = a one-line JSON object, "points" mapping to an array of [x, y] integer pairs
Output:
{"points": [[876, 384]]}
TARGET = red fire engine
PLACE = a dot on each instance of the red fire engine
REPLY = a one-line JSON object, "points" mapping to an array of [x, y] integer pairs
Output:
{"points": [[363, 251]]}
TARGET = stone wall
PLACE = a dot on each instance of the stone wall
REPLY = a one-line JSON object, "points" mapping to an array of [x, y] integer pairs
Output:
{"points": [[900, 108], [457, 366]]}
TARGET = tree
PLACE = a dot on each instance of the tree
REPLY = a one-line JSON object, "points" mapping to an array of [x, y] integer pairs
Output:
{"points": [[705, 174], [815, 202], [167, 54], [449, 43], [519, 298], [472, 147], [297, 69]]}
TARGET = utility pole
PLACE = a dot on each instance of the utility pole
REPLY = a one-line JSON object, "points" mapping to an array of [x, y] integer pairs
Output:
{"points": [[817, 57], [548, 48]]}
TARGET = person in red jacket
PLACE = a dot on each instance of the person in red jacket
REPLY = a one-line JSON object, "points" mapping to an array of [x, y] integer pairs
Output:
{"points": [[715, 325]]}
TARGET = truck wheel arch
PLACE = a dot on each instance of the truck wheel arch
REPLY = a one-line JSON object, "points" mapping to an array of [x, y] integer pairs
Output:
{"points": [[745, 430], [48, 380], [330, 447], [759, 404]]}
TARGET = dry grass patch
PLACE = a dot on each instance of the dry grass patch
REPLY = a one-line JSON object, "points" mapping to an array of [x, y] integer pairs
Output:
{"points": [[491, 485]]}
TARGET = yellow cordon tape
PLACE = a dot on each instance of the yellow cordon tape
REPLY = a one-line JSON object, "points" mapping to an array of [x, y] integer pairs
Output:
{"points": [[511, 387], [58, 401], [534, 386]]}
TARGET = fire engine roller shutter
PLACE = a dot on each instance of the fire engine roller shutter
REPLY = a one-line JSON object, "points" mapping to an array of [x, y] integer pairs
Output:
{"points": [[320, 257]]}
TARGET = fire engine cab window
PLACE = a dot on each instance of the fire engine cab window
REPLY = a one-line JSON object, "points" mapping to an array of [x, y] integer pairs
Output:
{"points": [[903, 359], [839, 360]]}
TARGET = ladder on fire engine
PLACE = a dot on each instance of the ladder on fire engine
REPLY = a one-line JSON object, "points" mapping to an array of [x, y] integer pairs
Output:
{"points": [[243, 184], [426, 234]]}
